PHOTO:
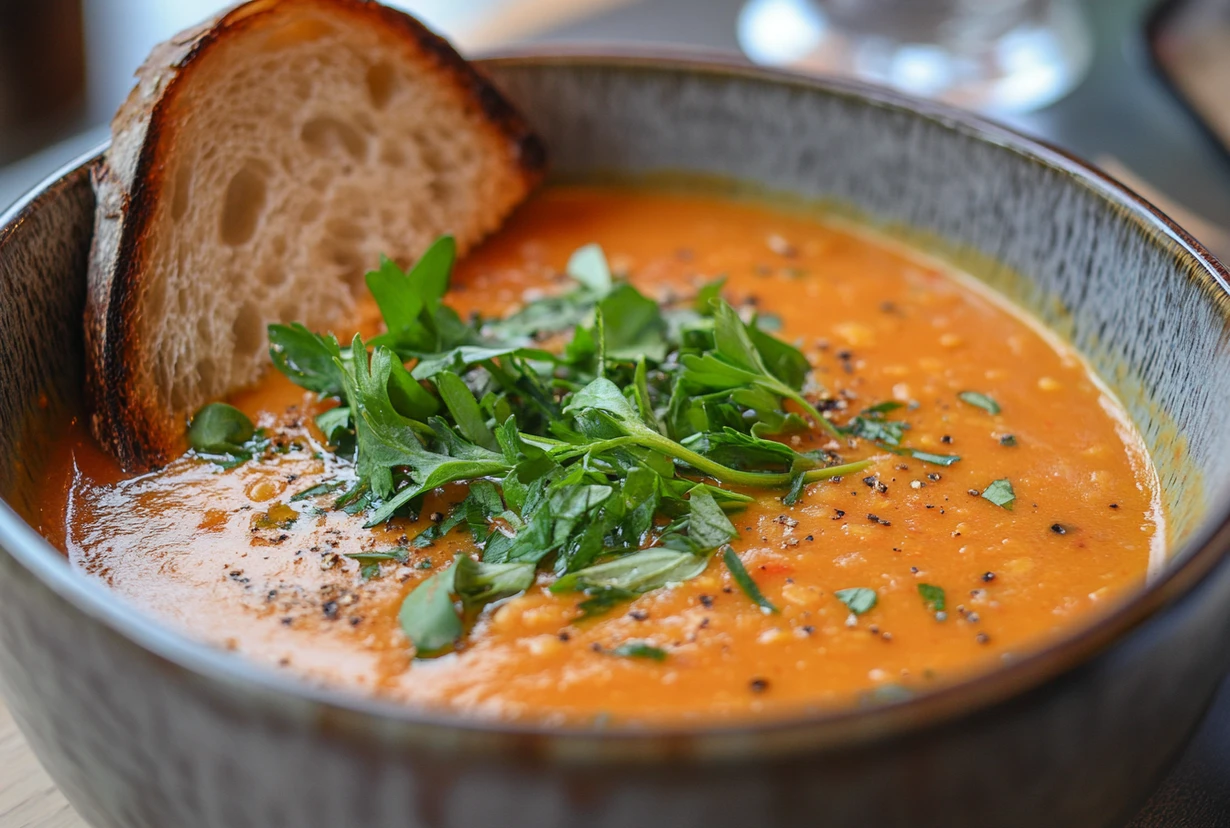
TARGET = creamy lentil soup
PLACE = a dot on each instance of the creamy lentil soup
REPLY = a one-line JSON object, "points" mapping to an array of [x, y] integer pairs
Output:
{"points": [[1005, 497]]}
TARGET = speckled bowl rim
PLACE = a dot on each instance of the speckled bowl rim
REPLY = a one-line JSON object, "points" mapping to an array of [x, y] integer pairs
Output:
{"points": [[839, 728]]}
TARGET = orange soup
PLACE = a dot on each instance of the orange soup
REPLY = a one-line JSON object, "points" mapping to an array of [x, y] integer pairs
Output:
{"points": [[916, 570]]}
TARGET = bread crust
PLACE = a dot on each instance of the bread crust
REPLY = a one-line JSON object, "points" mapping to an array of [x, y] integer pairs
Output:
{"points": [[124, 412]]}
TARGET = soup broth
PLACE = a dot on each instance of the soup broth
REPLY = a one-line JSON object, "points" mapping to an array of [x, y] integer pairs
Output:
{"points": [[903, 576]]}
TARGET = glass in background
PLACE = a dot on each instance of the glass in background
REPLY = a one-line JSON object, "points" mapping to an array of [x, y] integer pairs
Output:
{"points": [[997, 56]]}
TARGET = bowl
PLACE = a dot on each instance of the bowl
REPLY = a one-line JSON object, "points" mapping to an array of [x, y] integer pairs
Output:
{"points": [[144, 728]]}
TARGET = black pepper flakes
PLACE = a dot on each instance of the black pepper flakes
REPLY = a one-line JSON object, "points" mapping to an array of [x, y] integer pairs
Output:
{"points": [[982, 638], [638, 615], [988, 577], [947, 438], [758, 685], [934, 477], [1059, 529]]}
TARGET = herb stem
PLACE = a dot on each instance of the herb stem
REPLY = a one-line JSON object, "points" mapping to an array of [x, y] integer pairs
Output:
{"points": [[653, 440], [811, 410]]}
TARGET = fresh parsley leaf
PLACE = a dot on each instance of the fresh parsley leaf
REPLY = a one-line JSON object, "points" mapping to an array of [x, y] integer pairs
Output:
{"points": [[411, 302], [1000, 493], [933, 459], [465, 410], [638, 572], [309, 360], [737, 362], [428, 616], [334, 423], [219, 428], [708, 526], [797, 487], [460, 359], [703, 304], [979, 400], [588, 265], [858, 600], [478, 583], [407, 397], [745, 582], [398, 554], [601, 600], [632, 326], [316, 491], [639, 649], [933, 597], [747, 451], [876, 429], [783, 360]]}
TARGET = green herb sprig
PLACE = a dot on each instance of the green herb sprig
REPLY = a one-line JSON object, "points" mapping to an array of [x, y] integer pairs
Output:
{"points": [[606, 465]]}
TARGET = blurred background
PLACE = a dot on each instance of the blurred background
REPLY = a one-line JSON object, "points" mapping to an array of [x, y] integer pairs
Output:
{"points": [[1141, 87]]}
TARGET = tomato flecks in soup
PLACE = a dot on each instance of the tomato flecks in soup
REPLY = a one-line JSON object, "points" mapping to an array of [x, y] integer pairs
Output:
{"points": [[234, 557]]}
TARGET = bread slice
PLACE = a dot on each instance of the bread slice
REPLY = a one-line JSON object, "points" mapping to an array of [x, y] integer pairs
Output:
{"points": [[263, 162]]}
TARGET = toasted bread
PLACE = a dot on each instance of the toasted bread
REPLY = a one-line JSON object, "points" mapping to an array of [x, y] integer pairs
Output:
{"points": [[261, 164]]}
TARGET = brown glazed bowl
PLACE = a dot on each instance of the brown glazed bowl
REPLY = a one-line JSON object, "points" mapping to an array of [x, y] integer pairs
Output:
{"points": [[144, 728]]}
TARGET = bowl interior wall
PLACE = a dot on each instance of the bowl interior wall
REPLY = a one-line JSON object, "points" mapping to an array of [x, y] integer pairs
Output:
{"points": [[1152, 319]]}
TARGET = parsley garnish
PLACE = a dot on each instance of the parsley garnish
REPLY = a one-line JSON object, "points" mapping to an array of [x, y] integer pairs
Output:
{"points": [[1000, 493], [933, 597], [858, 600], [602, 464], [871, 424], [979, 400], [224, 435], [639, 649], [745, 582]]}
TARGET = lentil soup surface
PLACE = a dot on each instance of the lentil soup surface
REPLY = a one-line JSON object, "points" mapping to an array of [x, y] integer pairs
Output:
{"points": [[228, 556]]}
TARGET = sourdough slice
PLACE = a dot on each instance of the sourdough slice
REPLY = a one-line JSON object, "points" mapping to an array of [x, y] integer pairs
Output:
{"points": [[263, 162]]}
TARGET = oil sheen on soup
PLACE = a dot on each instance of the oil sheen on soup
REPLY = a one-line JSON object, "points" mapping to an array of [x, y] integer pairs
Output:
{"points": [[915, 571]]}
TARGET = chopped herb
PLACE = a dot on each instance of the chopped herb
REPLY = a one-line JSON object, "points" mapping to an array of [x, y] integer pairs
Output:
{"points": [[428, 616], [858, 600], [224, 434], [398, 554], [639, 649], [317, 490], [933, 597], [979, 400], [599, 465], [1000, 493], [796, 490], [745, 582], [602, 600], [934, 459]]}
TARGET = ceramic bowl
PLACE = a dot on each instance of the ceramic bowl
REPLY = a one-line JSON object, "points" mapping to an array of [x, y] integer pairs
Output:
{"points": [[143, 728]]}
